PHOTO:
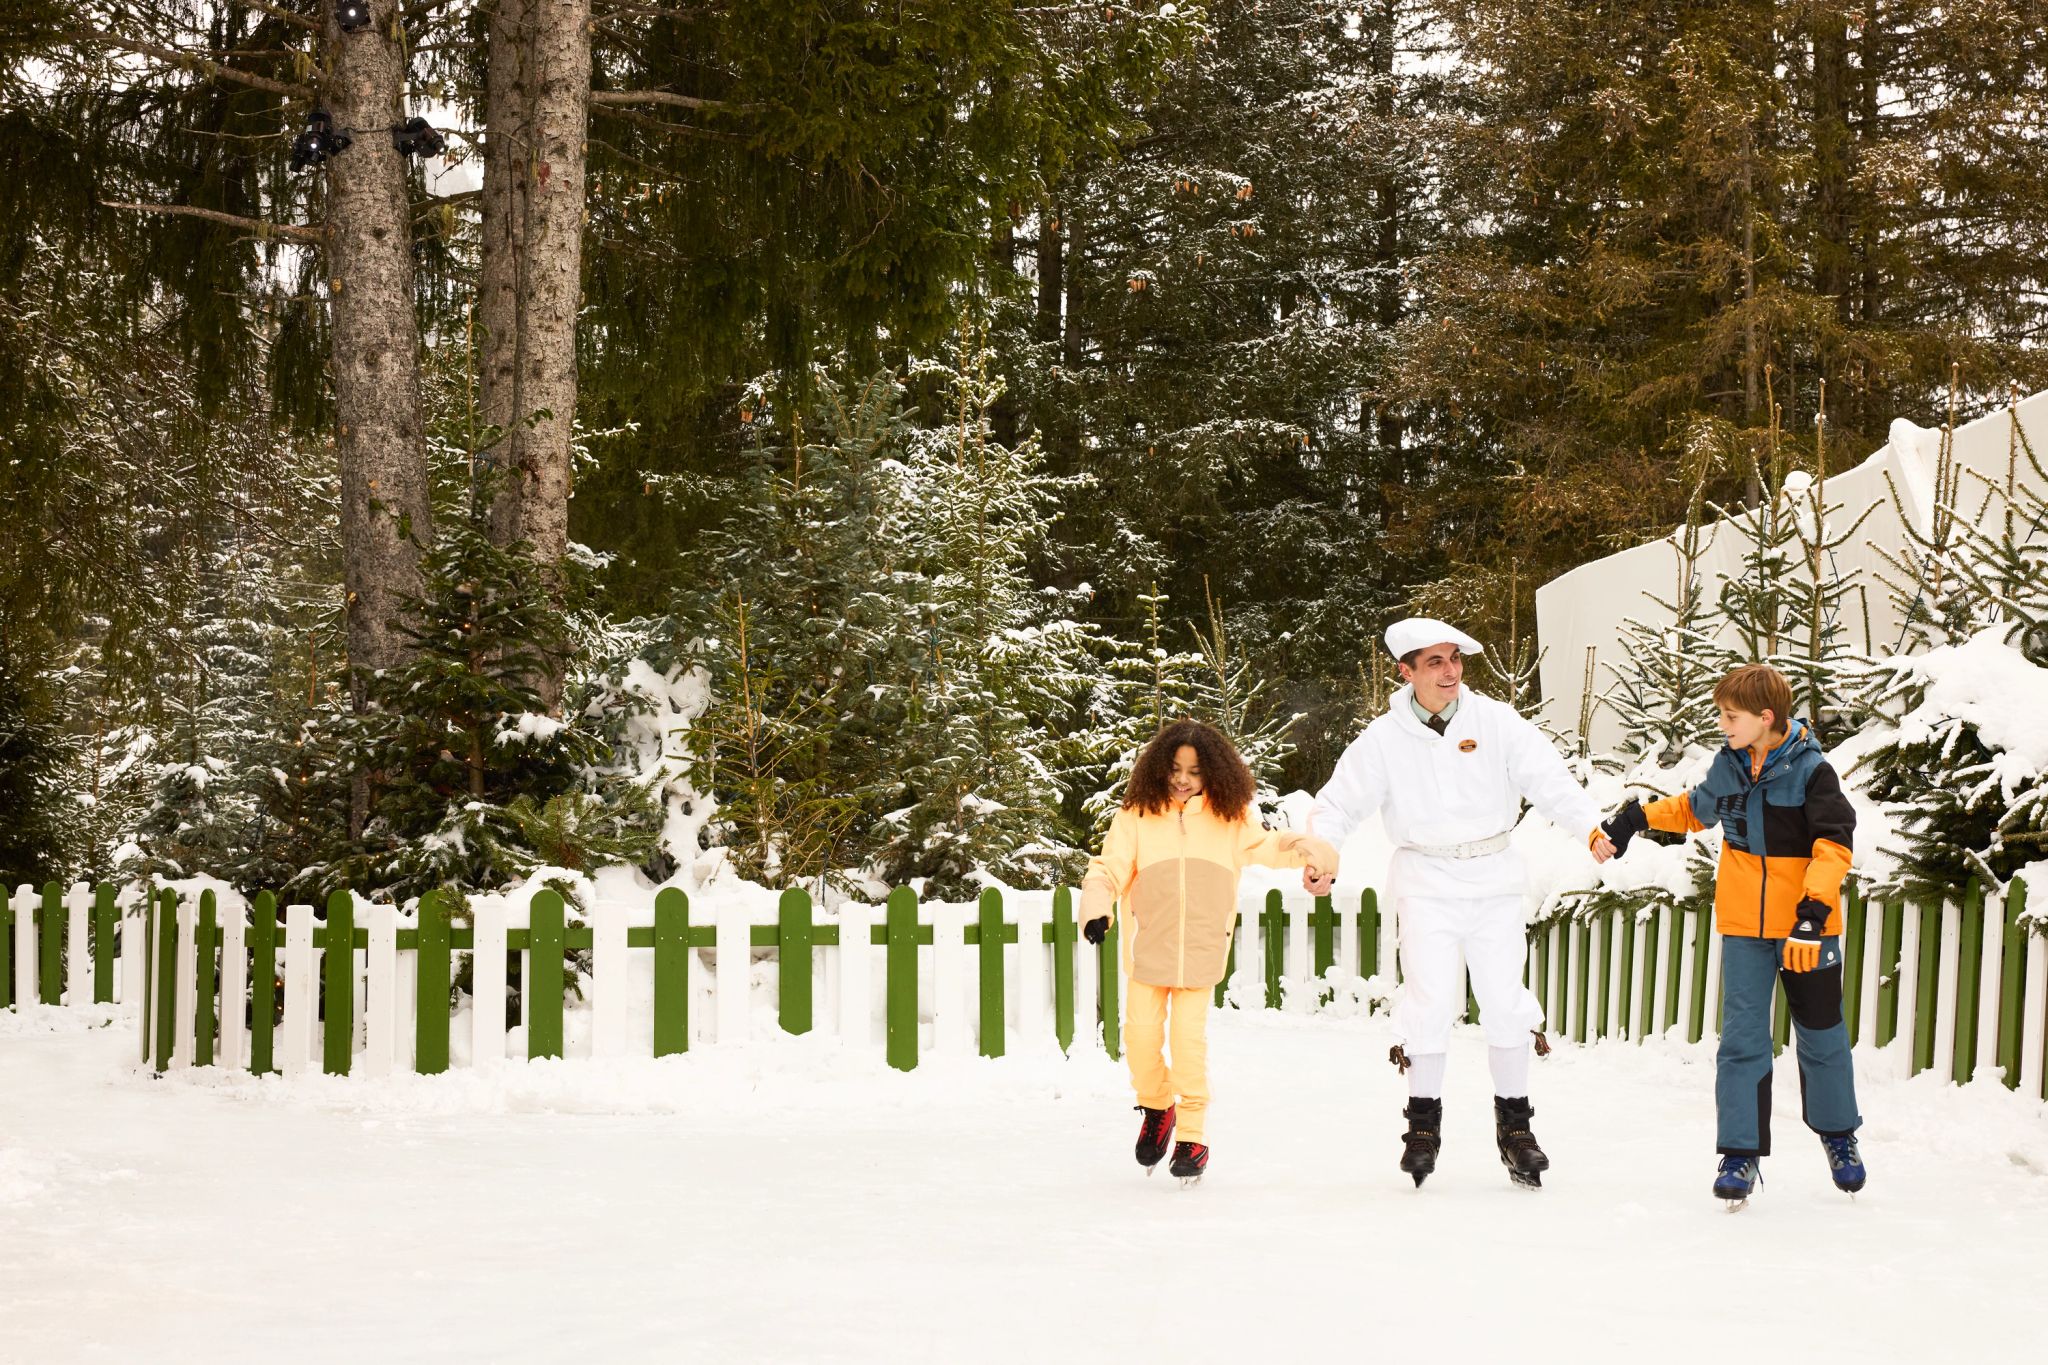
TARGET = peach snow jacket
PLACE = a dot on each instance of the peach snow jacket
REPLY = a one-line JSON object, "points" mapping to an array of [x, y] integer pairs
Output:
{"points": [[1174, 877]]}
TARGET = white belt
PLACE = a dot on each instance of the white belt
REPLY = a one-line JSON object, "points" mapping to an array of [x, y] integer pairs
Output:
{"points": [[1476, 848]]}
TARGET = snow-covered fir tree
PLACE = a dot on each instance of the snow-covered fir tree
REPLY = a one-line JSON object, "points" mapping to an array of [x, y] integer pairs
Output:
{"points": [[1662, 690], [1950, 751], [1000, 658]]}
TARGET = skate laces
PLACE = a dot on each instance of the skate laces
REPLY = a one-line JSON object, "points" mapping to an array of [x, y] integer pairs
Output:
{"points": [[1842, 1151], [1742, 1167], [1157, 1121]]}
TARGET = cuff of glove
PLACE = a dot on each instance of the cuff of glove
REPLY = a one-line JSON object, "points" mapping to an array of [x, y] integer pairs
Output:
{"points": [[1811, 920]]}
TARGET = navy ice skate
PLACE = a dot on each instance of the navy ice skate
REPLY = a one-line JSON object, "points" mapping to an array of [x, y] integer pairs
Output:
{"points": [[1738, 1176], [1845, 1162]]}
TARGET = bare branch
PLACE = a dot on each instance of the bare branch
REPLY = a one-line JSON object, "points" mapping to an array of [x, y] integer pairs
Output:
{"points": [[291, 232], [192, 61], [617, 97], [427, 206], [285, 16]]}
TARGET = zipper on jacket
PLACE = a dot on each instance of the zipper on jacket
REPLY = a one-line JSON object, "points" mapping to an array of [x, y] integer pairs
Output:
{"points": [[1180, 965]]}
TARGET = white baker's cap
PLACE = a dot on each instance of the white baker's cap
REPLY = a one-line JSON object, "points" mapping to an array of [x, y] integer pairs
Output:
{"points": [[1420, 632]]}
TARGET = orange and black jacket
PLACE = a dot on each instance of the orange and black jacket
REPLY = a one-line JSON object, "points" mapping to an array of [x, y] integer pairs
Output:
{"points": [[1786, 834]]}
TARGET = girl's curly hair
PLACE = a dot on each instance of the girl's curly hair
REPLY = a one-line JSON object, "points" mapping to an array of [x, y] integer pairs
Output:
{"points": [[1226, 780]]}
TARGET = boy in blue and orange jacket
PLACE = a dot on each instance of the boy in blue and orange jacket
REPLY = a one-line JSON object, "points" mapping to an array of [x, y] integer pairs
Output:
{"points": [[1786, 832]]}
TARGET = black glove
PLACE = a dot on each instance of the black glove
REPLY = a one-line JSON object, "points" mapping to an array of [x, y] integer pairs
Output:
{"points": [[1802, 948], [1624, 825], [1813, 920], [1096, 930]]}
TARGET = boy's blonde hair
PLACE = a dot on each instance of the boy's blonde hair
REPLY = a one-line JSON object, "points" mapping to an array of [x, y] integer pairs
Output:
{"points": [[1757, 688]]}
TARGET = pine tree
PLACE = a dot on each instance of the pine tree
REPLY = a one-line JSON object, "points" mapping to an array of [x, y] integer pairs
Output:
{"points": [[473, 784], [1662, 692], [1791, 606], [33, 837], [1963, 805], [1003, 666]]}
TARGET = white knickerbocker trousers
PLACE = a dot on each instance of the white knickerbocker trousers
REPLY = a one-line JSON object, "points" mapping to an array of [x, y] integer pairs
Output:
{"points": [[1488, 938]]}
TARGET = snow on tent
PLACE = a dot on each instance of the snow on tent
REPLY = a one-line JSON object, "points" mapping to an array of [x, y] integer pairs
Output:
{"points": [[1590, 608]]}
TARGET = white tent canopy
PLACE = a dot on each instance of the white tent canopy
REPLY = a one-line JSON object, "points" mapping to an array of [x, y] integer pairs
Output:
{"points": [[1585, 608]]}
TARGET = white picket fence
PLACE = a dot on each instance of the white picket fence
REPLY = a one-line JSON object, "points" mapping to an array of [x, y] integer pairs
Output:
{"points": [[1980, 1013]]}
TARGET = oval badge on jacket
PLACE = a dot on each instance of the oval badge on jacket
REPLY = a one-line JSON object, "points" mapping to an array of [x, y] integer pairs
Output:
{"points": [[1466, 746]]}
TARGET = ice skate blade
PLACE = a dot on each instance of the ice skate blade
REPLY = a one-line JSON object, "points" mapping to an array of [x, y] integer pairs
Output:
{"points": [[1736, 1205], [1420, 1176], [1532, 1181], [1188, 1182]]}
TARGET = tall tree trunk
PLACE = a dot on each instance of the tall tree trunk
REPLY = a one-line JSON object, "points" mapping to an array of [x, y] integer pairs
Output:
{"points": [[386, 514], [546, 94], [508, 139]]}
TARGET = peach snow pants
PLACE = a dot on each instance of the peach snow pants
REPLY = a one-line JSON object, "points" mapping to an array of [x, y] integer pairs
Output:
{"points": [[1186, 1082]]}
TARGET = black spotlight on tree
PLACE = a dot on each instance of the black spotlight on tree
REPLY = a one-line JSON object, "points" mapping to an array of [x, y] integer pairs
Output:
{"points": [[320, 141], [352, 15], [416, 137]]}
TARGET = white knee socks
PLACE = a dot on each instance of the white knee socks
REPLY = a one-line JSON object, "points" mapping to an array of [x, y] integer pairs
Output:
{"points": [[1426, 1076], [1510, 1067]]}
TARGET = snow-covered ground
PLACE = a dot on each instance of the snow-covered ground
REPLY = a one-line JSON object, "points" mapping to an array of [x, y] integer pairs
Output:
{"points": [[782, 1202]]}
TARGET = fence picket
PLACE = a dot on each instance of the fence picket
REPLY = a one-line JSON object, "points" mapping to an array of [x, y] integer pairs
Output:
{"points": [[992, 935], [1990, 987], [6, 949], [1929, 982], [50, 939], [1087, 996], [27, 958], [263, 983], [165, 995], [950, 1028], [611, 1020], [545, 979], [795, 993], [1109, 969], [1962, 1055], [899, 984], [1855, 948], [338, 986], [853, 971], [2013, 976], [1945, 1001], [77, 949], [2036, 1021], [205, 940], [234, 989], [433, 975], [128, 982], [672, 954], [301, 987], [380, 994], [1295, 962], [185, 986], [1906, 996], [1034, 976], [733, 970], [1062, 939], [487, 956]]}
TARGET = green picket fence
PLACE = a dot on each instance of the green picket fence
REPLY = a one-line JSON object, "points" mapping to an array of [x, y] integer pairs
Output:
{"points": [[1955, 986]]}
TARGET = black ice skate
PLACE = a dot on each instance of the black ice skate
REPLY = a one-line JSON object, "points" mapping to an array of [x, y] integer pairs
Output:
{"points": [[1525, 1161], [1423, 1138], [1153, 1132], [1190, 1159]]}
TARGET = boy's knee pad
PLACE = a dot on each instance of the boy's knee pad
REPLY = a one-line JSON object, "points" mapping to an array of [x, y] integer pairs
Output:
{"points": [[1815, 996]]}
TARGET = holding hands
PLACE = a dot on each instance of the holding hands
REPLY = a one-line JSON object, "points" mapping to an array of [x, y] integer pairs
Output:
{"points": [[1617, 829]]}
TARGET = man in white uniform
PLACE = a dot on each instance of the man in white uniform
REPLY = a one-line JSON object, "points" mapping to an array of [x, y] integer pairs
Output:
{"points": [[1448, 769]]}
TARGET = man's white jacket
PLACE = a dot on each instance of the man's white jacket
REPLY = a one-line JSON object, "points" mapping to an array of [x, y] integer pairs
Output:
{"points": [[1459, 787]]}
